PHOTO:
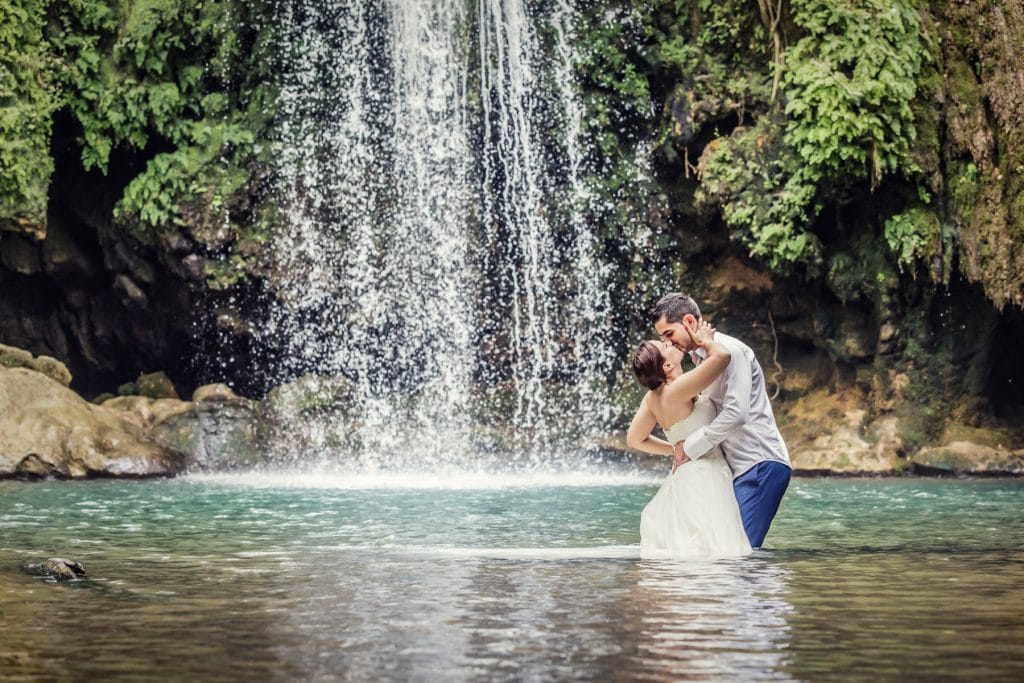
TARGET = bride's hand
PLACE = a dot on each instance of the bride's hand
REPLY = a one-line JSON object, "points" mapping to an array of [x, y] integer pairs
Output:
{"points": [[703, 335]]}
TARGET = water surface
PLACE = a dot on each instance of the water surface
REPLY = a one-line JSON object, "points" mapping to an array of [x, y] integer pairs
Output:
{"points": [[511, 577]]}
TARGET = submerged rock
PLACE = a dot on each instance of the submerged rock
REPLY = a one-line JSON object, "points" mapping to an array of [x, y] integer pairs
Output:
{"points": [[47, 430], [59, 569]]}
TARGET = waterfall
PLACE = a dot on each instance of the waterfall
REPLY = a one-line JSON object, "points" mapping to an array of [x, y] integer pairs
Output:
{"points": [[435, 250]]}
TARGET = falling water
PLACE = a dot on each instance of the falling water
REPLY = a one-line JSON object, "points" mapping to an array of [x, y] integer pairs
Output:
{"points": [[436, 253]]}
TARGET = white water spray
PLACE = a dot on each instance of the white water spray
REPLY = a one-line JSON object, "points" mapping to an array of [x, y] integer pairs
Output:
{"points": [[436, 253]]}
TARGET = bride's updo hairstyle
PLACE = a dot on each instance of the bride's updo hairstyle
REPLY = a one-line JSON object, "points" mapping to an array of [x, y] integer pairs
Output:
{"points": [[648, 365]]}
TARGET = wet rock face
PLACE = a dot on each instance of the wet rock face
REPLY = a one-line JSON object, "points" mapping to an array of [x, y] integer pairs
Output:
{"points": [[217, 430]]}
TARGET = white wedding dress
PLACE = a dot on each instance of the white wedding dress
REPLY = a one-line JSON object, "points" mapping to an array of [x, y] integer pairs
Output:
{"points": [[694, 514]]}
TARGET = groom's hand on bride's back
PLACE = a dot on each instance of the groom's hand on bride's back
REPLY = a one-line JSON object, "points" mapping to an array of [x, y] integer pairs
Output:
{"points": [[679, 456]]}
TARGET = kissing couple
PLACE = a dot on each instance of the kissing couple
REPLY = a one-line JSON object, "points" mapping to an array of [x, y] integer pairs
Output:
{"points": [[730, 466]]}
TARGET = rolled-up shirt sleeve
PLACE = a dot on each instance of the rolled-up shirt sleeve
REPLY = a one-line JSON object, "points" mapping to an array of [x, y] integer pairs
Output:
{"points": [[735, 409]]}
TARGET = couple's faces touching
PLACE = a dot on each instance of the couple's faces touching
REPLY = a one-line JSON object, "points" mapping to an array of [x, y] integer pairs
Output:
{"points": [[671, 359], [675, 334]]}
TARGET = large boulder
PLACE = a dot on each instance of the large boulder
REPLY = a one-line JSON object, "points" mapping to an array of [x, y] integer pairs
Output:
{"points": [[310, 414], [47, 430], [216, 432]]}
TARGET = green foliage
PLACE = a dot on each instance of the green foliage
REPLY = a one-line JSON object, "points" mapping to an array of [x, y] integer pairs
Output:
{"points": [[765, 198], [182, 83], [713, 46], [860, 269], [849, 83], [27, 101], [913, 234]]}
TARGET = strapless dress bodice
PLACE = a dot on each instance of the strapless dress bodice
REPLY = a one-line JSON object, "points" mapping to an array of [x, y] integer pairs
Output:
{"points": [[703, 413]]}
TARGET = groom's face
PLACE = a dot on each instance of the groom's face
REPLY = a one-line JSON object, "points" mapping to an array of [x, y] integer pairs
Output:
{"points": [[675, 333]]}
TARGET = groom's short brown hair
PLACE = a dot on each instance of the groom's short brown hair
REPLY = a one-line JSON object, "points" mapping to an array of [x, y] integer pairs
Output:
{"points": [[672, 307]]}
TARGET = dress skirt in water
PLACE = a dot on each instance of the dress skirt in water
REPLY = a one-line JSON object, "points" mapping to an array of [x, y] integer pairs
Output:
{"points": [[694, 515]]}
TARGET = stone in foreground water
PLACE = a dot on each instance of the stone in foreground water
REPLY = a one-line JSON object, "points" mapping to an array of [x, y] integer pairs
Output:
{"points": [[60, 569]]}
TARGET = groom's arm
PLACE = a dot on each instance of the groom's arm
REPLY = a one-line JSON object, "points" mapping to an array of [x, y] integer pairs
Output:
{"points": [[735, 409]]}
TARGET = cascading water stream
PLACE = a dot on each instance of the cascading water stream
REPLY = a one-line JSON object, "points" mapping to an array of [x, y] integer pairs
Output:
{"points": [[436, 252]]}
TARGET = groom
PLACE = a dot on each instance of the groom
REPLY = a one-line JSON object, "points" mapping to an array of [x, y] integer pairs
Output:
{"points": [[745, 427]]}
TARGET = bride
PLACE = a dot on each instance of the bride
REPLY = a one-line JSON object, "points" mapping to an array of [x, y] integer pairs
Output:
{"points": [[694, 514]]}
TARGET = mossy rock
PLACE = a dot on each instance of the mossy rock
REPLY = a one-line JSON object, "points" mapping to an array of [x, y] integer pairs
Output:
{"points": [[11, 357], [52, 368], [128, 389], [156, 385], [310, 393], [213, 393]]}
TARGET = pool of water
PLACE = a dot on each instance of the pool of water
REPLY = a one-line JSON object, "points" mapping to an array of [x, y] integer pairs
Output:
{"points": [[512, 577]]}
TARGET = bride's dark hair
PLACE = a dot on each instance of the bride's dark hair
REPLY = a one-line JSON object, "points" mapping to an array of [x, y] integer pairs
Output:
{"points": [[648, 365]]}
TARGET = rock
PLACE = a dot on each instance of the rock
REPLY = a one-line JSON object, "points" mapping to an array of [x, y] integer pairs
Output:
{"points": [[156, 385], [130, 293], [230, 320], [829, 433], [309, 393], [213, 393], [54, 369], [214, 433], [103, 398], [688, 113], [194, 267], [965, 457], [145, 411], [855, 342], [20, 255], [47, 430], [128, 389], [62, 256], [311, 414], [11, 357], [60, 569]]}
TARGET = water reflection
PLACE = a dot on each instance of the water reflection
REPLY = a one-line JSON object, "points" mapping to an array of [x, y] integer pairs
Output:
{"points": [[721, 620], [454, 616]]}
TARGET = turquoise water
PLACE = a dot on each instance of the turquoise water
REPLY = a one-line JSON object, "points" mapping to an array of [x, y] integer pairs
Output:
{"points": [[321, 577]]}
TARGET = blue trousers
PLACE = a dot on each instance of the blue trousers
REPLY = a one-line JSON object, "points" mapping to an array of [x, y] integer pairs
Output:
{"points": [[759, 491]]}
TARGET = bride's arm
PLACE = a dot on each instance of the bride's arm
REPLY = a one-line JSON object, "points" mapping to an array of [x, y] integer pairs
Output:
{"points": [[639, 435], [700, 378]]}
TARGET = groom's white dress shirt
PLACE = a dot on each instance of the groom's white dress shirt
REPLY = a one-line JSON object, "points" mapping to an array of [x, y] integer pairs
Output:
{"points": [[745, 427]]}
